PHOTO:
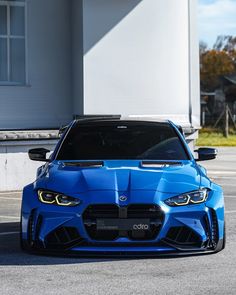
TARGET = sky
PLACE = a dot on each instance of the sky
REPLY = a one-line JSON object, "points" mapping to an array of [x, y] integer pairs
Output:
{"points": [[216, 17]]}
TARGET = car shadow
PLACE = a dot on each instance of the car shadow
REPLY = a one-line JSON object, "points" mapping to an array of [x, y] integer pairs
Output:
{"points": [[11, 253]]}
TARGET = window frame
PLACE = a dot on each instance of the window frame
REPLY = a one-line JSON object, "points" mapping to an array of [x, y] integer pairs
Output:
{"points": [[8, 37]]}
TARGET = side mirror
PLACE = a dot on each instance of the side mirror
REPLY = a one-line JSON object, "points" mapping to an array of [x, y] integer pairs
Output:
{"points": [[205, 154], [38, 154]]}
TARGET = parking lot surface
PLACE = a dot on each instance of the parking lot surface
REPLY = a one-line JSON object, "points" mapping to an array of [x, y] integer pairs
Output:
{"points": [[21, 273]]}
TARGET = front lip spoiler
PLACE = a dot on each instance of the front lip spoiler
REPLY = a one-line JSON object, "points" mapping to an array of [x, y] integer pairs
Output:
{"points": [[98, 253], [120, 254]]}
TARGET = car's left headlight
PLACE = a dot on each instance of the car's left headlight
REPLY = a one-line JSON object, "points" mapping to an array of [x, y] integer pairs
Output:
{"points": [[53, 198], [191, 198]]}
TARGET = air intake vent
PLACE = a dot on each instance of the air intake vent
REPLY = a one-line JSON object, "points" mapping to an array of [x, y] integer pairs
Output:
{"points": [[63, 237], [184, 236], [215, 230]]}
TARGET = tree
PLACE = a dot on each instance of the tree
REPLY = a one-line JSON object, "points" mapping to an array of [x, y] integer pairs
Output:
{"points": [[215, 64]]}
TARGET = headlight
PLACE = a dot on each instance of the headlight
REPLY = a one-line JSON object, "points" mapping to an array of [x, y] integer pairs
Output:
{"points": [[48, 197], [191, 198]]}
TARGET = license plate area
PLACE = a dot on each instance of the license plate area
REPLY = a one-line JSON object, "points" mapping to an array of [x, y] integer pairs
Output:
{"points": [[123, 224]]}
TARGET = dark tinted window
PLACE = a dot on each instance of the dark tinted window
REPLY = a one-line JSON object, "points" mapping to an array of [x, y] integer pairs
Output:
{"points": [[122, 140]]}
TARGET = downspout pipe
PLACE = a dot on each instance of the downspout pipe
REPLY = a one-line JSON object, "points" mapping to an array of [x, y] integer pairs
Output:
{"points": [[190, 64]]}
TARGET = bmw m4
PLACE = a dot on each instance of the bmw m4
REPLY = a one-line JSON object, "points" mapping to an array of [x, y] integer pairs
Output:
{"points": [[127, 187]]}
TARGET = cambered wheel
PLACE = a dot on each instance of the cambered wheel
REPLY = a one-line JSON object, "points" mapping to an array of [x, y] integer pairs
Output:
{"points": [[221, 244], [24, 245]]}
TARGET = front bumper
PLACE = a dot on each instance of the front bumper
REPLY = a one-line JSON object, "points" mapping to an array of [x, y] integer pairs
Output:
{"points": [[177, 229]]}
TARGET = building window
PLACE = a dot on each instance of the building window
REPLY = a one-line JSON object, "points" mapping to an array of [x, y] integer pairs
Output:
{"points": [[12, 42]]}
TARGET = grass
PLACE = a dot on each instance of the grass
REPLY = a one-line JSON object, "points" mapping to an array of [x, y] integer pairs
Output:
{"points": [[211, 137]]}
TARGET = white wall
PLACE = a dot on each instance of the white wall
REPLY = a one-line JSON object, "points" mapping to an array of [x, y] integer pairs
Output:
{"points": [[46, 101], [16, 169], [124, 56], [136, 58]]}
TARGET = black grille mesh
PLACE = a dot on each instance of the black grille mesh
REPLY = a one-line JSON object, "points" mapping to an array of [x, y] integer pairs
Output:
{"points": [[134, 211]]}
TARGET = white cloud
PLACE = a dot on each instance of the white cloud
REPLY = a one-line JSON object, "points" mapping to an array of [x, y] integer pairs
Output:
{"points": [[216, 17]]}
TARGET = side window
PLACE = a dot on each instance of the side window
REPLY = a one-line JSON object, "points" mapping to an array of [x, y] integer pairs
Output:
{"points": [[12, 42]]}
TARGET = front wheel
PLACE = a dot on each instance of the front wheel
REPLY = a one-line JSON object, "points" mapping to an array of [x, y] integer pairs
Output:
{"points": [[24, 245], [221, 244]]}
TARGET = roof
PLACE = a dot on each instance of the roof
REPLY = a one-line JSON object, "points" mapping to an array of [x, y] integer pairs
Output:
{"points": [[231, 78], [131, 118]]}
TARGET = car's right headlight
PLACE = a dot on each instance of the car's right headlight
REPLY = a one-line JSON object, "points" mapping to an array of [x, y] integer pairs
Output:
{"points": [[53, 198], [191, 198]]}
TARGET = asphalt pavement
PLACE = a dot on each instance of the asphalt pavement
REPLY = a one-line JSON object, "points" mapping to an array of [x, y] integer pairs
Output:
{"points": [[21, 273]]}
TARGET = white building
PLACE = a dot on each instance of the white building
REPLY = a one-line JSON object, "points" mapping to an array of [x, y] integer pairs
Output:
{"points": [[61, 58]]}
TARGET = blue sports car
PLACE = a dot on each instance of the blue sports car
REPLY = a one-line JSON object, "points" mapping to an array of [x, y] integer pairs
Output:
{"points": [[126, 187]]}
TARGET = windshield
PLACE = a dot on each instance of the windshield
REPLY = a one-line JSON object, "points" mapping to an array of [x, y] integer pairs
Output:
{"points": [[122, 140]]}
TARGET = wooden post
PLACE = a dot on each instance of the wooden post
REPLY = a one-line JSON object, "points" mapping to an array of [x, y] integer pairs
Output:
{"points": [[226, 121], [203, 118]]}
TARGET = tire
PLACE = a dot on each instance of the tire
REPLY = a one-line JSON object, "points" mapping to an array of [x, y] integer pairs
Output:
{"points": [[24, 245], [224, 238], [222, 243]]}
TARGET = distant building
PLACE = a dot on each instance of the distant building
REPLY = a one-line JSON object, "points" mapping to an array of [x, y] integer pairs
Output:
{"points": [[62, 58]]}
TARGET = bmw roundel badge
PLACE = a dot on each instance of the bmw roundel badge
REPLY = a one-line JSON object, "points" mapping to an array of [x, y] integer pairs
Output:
{"points": [[123, 198]]}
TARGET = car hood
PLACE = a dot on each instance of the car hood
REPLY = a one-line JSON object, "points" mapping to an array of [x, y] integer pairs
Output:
{"points": [[120, 176]]}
